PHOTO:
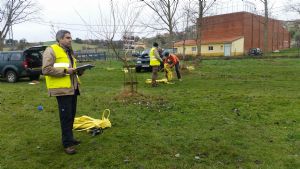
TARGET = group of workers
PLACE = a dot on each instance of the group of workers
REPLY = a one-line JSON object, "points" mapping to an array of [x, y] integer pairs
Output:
{"points": [[165, 60]]}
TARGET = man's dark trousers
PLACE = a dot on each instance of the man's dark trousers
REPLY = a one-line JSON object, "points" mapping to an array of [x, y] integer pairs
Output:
{"points": [[67, 110], [177, 67]]}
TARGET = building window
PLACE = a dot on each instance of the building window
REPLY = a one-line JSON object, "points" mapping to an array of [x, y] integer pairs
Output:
{"points": [[194, 49], [210, 48]]}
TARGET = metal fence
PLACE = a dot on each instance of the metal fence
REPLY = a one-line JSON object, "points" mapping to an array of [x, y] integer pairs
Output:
{"points": [[90, 56]]}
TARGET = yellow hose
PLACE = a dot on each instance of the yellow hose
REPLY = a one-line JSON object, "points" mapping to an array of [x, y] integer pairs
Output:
{"points": [[86, 123]]}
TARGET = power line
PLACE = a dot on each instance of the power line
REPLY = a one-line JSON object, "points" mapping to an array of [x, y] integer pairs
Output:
{"points": [[89, 30], [90, 25]]}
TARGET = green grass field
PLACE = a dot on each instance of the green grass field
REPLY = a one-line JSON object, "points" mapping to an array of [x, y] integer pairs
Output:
{"points": [[224, 114], [291, 52]]}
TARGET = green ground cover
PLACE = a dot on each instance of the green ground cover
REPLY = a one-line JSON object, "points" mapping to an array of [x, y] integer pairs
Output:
{"points": [[224, 114]]}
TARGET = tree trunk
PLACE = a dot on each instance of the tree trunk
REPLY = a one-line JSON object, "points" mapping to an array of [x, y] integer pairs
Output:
{"points": [[198, 40], [266, 29], [199, 28], [1, 44], [183, 50]]}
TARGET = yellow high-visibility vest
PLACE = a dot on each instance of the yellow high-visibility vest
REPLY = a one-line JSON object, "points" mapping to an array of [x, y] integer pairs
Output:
{"points": [[61, 61], [153, 60]]}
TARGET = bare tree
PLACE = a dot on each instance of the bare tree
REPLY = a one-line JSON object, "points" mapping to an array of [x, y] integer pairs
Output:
{"points": [[165, 11], [294, 6], [195, 10], [53, 30], [295, 30], [14, 12], [203, 7], [187, 13], [119, 23]]}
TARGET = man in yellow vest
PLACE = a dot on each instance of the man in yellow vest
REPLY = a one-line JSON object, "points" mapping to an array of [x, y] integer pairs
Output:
{"points": [[59, 68], [155, 61]]}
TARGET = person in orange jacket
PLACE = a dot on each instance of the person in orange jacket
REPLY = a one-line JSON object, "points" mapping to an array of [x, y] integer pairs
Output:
{"points": [[173, 60]]}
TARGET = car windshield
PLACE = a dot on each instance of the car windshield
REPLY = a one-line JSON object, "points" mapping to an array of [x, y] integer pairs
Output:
{"points": [[146, 51]]}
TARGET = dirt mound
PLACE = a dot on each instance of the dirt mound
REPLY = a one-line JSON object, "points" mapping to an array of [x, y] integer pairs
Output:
{"points": [[127, 97]]}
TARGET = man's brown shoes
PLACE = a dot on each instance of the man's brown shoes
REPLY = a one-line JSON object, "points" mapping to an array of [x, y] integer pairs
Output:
{"points": [[70, 150]]}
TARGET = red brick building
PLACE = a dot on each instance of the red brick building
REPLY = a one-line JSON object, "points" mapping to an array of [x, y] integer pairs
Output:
{"points": [[249, 26]]}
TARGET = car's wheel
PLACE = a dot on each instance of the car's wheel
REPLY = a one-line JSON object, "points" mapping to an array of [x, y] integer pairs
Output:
{"points": [[11, 76], [138, 69], [34, 77]]}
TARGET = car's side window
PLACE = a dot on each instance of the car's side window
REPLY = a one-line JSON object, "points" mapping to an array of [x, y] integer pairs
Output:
{"points": [[15, 56], [1, 56], [5, 56]]}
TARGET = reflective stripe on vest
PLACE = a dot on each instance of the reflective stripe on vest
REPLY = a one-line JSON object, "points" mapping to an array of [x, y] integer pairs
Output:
{"points": [[61, 61], [153, 60]]}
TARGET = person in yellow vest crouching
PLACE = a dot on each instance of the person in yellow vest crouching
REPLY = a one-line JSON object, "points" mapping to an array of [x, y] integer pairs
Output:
{"points": [[59, 68], [155, 61]]}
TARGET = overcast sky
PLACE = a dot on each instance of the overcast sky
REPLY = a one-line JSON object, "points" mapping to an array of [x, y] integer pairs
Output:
{"points": [[67, 14]]}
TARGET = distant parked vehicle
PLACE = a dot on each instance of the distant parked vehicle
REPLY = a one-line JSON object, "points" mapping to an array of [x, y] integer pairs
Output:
{"points": [[136, 54], [255, 52], [17, 64], [143, 62]]}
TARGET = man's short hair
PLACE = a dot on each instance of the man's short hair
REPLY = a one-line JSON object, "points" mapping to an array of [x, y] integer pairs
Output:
{"points": [[155, 44], [60, 34], [166, 54]]}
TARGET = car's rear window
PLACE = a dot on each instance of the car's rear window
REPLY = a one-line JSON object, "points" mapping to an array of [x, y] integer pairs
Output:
{"points": [[15, 56]]}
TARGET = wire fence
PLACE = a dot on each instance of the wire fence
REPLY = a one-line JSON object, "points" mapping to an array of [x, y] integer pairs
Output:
{"points": [[108, 56], [90, 56]]}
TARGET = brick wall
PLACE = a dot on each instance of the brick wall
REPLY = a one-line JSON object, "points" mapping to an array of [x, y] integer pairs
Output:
{"points": [[248, 25]]}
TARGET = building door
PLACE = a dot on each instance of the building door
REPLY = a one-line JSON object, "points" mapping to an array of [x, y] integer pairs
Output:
{"points": [[227, 49]]}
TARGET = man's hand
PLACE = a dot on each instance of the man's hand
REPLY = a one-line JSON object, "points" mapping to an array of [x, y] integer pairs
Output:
{"points": [[71, 71]]}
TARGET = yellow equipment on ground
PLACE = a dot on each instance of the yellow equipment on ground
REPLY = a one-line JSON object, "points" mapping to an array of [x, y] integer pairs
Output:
{"points": [[190, 68], [169, 76], [149, 81], [86, 123], [169, 72]]}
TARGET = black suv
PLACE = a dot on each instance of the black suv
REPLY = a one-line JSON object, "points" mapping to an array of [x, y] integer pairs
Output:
{"points": [[17, 64], [143, 62]]}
